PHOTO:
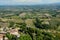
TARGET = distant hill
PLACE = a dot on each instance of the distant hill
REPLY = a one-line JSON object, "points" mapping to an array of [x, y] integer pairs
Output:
{"points": [[54, 5]]}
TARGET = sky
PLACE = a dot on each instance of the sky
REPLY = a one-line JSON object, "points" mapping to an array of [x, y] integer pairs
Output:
{"points": [[26, 2]]}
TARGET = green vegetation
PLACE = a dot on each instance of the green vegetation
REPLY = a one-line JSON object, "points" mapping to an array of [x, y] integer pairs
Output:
{"points": [[33, 23]]}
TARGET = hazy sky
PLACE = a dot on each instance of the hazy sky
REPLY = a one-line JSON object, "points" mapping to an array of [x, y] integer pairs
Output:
{"points": [[15, 2]]}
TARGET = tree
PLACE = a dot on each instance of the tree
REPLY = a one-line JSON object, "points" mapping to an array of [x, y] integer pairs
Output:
{"points": [[48, 36], [11, 24], [11, 37], [25, 37], [38, 23]]}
